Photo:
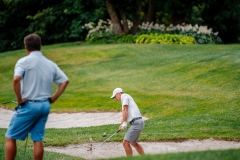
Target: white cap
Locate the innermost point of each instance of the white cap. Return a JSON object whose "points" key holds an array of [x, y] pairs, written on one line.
{"points": [[115, 91]]}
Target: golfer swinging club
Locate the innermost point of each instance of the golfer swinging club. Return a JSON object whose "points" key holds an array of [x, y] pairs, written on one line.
{"points": [[132, 115]]}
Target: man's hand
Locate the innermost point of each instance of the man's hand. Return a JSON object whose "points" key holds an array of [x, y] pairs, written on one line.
{"points": [[123, 126], [60, 90], [21, 102], [50, 100]]}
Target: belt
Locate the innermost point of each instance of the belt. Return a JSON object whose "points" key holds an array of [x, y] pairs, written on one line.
{"points": [[34, 101], [30, 101], [134, 119]]}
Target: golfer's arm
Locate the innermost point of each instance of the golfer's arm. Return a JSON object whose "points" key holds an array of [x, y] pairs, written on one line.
{"points": [[125, 113], [60, 90], [17, 88]]}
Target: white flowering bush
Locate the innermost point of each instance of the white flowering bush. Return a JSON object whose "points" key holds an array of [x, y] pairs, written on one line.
{"points": [[103, 32], [100, 31], [202, 34]]}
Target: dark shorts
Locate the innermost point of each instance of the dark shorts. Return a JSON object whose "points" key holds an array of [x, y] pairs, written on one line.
{"points": [[29, 118], [134, 131]]}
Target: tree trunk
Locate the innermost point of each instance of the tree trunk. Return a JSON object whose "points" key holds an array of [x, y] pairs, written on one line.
{"points": [[124, 20], [137, 19], [114, 18], [176, 21], [150, 17]]}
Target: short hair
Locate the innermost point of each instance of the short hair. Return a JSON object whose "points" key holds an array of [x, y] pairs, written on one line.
{"points": [[32, 42]]}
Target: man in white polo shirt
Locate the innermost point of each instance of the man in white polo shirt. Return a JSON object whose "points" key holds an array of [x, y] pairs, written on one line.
{"points": [[131, 115], [34, 75]]}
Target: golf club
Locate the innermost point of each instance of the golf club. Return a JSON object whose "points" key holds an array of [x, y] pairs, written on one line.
{"points": [[107, 138], [24, 154], [11, 101]]}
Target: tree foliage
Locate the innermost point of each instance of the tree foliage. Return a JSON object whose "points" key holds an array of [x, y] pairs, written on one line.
{"points": [[55, 21], [224, 16], [14, 23], [62, 21], [221, 15]]}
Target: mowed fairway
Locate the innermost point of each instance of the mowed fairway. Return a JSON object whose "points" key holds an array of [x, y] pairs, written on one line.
{"points": [[187, 91]]}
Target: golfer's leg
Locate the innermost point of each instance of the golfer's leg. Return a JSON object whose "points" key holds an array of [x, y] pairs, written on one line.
{"points": [[10, 149], [138, 147], [127, 148], [38, 150]]}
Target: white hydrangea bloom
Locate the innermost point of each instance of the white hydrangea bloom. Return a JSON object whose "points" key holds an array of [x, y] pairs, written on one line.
{"points": [[204, 30], [188, 27], [156, 26], [107, 27], [178, 27]]}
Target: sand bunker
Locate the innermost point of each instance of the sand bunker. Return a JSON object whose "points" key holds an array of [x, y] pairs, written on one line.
{"points": [[114, 149]]}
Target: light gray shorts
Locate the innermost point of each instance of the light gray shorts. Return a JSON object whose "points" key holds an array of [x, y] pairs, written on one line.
{"points": [[134, 131]]}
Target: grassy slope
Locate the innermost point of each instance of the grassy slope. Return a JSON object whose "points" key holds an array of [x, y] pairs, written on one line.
{"points": [[188, 91]]}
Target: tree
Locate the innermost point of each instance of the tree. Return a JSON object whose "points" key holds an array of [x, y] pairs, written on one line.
{"points": [[14, 23], [62, 21], [55, 21], [221, 15], [146, 11], [137, 17], [114, 17], [150, 13]]}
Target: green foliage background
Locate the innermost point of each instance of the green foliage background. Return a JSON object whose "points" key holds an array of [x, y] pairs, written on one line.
{"points": [[62, 21], [55, 21]]}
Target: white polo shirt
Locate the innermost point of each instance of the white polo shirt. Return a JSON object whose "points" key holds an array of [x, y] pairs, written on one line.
{"points": [[37, 76], [133, 110]]}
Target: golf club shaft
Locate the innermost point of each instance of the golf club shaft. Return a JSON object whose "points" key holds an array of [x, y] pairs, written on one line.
{"points": [[13, 101], [25, 147], [108, 138]]}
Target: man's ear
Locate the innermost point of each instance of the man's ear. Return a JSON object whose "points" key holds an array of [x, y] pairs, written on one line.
{"points": [[27, 50]]}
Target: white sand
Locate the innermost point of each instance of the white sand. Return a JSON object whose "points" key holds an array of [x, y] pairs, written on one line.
{"points": [[68, 120], [115, 149]]}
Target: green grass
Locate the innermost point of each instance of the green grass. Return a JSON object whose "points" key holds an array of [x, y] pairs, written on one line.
{"points": [[187, 91], [231, 154], [29, 154]]}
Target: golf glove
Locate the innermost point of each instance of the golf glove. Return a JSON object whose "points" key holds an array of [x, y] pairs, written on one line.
{"points": [[124, 125]]}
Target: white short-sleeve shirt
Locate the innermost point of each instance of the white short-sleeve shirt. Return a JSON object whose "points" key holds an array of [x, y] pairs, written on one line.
{"points": [[37, 76], [133, 110]]}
